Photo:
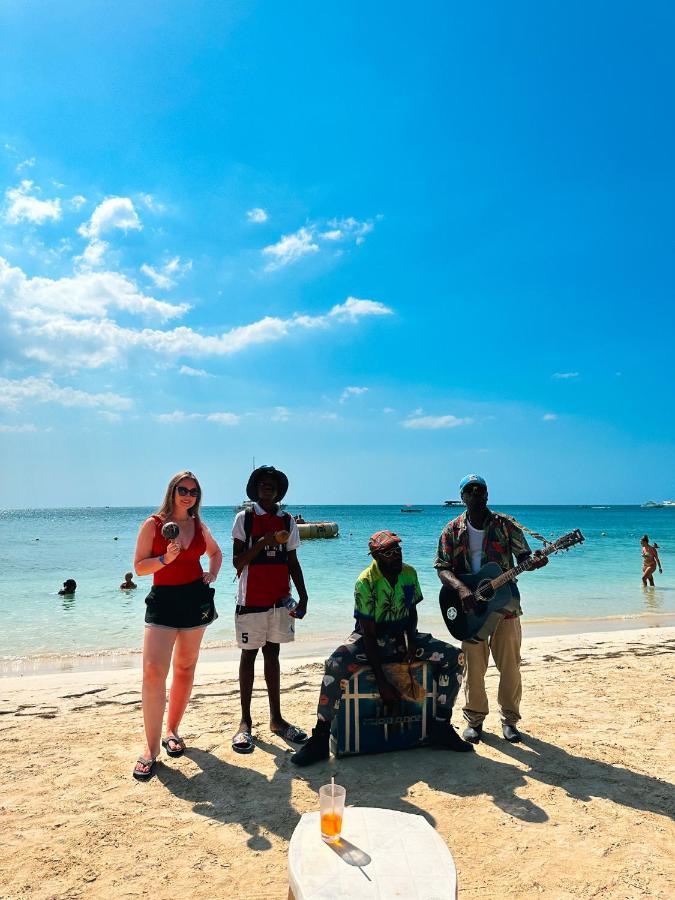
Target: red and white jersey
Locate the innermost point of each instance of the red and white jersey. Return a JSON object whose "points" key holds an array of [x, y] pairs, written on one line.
{"points": [[265, 580]]}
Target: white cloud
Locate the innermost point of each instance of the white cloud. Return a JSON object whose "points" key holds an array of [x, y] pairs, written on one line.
{"points": [[194, 373], [14, 394], [352, 392], [69, 322], [281, 414], [178, 417], [290, 248], [223, 418], [434, 422], [388, 410], [257, 215], [84, 294], [26, 164], [564, 375], [549, 417], [113, 213], [77, 202], [17, 429], [348, 229], [166, 276], [23, 206], [152, 203]]}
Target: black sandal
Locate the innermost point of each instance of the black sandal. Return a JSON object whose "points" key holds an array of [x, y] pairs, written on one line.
{"points": [[179, 751], [145, 776]]}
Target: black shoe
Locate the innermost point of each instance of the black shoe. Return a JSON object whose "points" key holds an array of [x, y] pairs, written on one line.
{"points": [[511, 733], [472, 733], [316, 748], [442, 734]]}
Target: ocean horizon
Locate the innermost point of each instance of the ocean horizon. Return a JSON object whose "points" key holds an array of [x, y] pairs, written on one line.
{"points": [[95, 545]]}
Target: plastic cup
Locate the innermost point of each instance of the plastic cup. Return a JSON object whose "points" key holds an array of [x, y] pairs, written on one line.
{"points": [[331, 809]]}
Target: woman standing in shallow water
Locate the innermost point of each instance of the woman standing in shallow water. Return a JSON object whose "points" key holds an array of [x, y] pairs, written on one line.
{"points": [[650, 560], [178, 609]]}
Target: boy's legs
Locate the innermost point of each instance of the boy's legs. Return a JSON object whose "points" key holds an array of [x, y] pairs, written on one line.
{"points": [[246, 676]]}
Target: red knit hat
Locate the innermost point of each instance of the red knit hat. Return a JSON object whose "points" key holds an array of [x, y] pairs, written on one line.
{"points": [[383, 539]]}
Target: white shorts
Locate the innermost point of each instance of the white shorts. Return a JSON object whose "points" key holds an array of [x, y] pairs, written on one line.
{"points": [[254, 630]]}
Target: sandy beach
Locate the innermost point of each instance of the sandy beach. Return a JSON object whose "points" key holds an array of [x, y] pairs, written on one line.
{"points": [[584, 807]]}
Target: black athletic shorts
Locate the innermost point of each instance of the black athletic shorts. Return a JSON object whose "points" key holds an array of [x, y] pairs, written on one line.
{"points": [[180, 605]]}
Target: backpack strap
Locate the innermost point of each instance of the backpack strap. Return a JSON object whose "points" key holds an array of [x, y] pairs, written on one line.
{"points": [[248, 526], [287, 521]]}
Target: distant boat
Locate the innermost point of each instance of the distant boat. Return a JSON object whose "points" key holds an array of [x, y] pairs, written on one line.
{"points": [[652, 504], [453, 503], [409, 508]]}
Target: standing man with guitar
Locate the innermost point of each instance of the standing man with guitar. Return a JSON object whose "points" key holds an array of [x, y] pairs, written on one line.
{"points": [[476, 537]]}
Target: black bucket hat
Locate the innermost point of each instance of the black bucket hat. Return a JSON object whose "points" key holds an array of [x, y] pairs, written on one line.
{"points": [[257, 474]]}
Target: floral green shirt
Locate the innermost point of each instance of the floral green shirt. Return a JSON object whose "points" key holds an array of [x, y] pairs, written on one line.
{"points": [[389, 607]]}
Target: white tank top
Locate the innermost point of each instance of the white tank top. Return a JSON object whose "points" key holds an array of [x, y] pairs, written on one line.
{"points": [[475, 546]]}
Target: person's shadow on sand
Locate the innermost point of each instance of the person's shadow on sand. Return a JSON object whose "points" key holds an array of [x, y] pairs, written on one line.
{"points": [[583, 778], [230, 794], [455, 774], [464, 775]]}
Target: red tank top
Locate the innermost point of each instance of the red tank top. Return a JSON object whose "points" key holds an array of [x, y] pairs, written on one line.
{"points": [[186, 567], [267, 579]]}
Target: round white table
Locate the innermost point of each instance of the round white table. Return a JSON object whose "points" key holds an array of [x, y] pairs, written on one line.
{"points": [[381, 854]]}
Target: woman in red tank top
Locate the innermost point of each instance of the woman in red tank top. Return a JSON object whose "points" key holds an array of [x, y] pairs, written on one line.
{"points": [[178, 609]]}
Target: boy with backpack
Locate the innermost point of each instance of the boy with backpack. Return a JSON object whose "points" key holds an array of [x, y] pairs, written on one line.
{"points": [[265, 542]]}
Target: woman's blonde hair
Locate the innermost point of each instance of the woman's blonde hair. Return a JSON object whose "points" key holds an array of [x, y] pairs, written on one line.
{"points": [[166, 509]]}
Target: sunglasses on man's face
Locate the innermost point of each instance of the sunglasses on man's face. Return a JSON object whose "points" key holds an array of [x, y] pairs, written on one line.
{"points": [[183, 491], [389, 552], [474, 489]]}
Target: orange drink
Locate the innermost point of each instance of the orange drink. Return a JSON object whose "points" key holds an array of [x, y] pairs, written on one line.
{"points": [[331, 807], [331, 824]]}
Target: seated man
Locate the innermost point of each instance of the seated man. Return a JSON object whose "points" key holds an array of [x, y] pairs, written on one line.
{"points": [[386, 598]]}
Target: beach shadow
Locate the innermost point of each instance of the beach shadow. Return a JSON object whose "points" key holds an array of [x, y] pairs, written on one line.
{"points": [[585, 779], [231, 794]]}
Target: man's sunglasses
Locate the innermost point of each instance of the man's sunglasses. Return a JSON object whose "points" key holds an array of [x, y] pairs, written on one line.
{"points": [[183, 491], [389, 552], [474, 489]]}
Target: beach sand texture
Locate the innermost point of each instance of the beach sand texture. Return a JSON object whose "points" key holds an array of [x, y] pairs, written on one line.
{"points": [[583, 808]]}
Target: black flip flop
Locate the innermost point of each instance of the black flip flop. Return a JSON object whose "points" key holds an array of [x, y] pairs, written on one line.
{"points": [[293, 734], [175, 740], [145, 776], [242, 742]]}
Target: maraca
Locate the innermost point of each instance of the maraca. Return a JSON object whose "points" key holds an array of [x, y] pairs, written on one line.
{"points": [[170, 531], [282, 536]]}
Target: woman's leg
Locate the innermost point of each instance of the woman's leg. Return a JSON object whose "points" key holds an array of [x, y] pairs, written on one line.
{"points": [[185, 655], [648, 572], [157, 646]]}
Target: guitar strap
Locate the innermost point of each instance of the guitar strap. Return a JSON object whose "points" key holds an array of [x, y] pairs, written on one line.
{"points": [[538, 537]]}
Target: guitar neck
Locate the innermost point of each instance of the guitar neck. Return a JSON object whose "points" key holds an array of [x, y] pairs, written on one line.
{"points": [[520, 568]]}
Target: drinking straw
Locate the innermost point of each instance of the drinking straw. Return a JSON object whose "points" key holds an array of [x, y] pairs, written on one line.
{"points": [[332, 795]]}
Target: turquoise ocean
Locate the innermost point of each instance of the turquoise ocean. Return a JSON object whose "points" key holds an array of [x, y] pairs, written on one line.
{"points": [[43, 547]]}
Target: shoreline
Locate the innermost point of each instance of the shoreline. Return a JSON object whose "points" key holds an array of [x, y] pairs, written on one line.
{"points": [[312, 647]]}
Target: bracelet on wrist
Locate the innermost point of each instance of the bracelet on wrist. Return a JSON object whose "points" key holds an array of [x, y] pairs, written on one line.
{"points": [[161, 559]]}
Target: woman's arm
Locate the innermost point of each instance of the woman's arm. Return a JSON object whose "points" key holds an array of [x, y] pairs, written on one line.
{"points": [[214, 554], [144, 563]]}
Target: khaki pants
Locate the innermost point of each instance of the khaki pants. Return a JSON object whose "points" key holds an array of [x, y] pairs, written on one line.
{"points": [[504, 644]]}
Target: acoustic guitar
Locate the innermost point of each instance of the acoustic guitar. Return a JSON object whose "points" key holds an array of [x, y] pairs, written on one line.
{"points": [[478, 623]]}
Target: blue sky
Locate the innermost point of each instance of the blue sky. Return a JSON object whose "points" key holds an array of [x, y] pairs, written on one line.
{"points": [[376, 245]]}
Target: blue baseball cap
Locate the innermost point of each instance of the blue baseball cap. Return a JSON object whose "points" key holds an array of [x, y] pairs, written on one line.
{"points": [[471, 479]]}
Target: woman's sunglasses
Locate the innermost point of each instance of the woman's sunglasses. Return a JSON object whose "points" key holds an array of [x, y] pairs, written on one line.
{"points": [[183, 491]]}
